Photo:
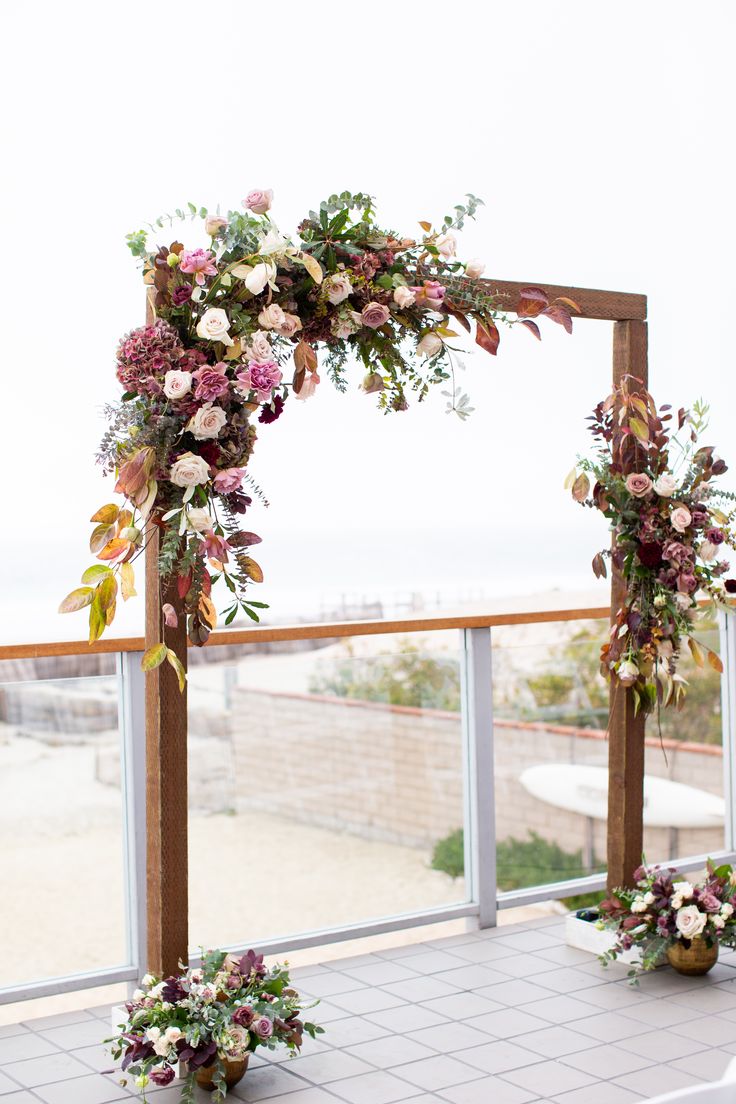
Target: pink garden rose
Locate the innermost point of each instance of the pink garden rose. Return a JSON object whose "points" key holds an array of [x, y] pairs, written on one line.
{"points": [[259, 346], [680, 518], [261, 377], [308, 387], [290, 325], [375, 315], [198, 263], [177, 384], [259, 200], [676, 552], [687, 582], [212, 382], [430, 295], [228, 480], [216, 547], [207, 422], [638, 484], [271, 317]]}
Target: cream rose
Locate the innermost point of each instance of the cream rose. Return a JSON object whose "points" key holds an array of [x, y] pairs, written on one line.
{"points": [[174, 1034], [213, 224], [627, 672], [214, 325], [199, 520], [337, 288], [665, 485], [259, 347], [474, 269], [430, 345], [680, 518], [690, 921], [290, 325], [708, 551], [177, 384], [207, 422], [446, 244], [188, 471], [404, 296], [271, 317], [259, 276]]}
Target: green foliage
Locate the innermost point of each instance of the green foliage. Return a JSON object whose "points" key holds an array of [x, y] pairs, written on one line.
{"points": [[521, 863], [410, 677]]}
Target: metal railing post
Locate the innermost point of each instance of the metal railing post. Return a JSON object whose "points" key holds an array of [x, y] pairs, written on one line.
{"points": [[480, 813], [132, 725], [727, 625]]}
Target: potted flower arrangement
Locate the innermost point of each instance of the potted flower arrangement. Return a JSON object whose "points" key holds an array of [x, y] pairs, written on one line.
{"points": [[208, 1022], [665, 916]]}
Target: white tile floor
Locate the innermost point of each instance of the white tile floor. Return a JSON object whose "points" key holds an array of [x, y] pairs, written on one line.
{"points": [[507, 1016]]}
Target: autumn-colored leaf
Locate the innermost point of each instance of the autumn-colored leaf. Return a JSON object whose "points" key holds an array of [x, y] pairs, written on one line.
{"points": [[77, 599], [113, 549], [101, 534], [97, 622], [559, 314], [127, 581], [487, 335], [458, 315], [96, 572], [570, 479], [107, 514], [125, 519], [171, 617], [639, 429], [107, 592], [426, 226], [581, 488], [183, 584], [532, 301], [532, 327], [312, 266], [252, 569], [110, 613], [570, 303], [599, 567], [208, 611], [153, 657], [173, 659], [697, 652], [305, 358], [715, 662], [243, 539]]}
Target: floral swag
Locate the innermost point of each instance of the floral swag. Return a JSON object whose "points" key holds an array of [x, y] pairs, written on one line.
{"points": [[229, 322]]}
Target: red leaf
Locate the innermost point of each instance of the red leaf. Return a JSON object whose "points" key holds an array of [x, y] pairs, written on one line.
{"points": [[183, 583], [532, 301], [532, 327], [559, 314], [487, 335]]}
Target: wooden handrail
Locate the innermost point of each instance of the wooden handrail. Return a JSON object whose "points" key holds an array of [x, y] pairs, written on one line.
{"points": [[320, 630]]}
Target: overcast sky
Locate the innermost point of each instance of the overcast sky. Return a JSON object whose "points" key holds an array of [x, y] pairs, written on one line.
{"points": [[599, 136]]}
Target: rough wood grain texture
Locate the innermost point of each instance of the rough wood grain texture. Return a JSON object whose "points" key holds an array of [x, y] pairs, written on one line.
{"points": [[625, 731], [318, 631], [612, 306], [166, 781]]}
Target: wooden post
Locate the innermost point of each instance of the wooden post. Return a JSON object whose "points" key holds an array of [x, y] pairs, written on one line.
{"points": [[166, 776], [625, 731]]}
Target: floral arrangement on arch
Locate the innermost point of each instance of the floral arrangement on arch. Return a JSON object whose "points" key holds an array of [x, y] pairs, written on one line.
{"points": [[656, 485], [662, 910], [226, 1009], [236, 330]]}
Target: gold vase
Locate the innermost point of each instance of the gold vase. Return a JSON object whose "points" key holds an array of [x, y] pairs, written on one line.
{"points": [[692, 957], [234, 1071]]}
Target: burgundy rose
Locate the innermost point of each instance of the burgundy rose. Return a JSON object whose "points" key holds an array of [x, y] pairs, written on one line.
{"points": [[181, 294], [162, 1076], [730, 585], [243, 1016], [715, 536], [650, 554]]}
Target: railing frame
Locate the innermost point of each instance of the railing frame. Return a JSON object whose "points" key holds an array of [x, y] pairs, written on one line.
{"points": [[482, 899]]}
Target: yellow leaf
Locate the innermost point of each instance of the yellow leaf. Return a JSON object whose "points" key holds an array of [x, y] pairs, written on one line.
{"points": [[101, 534], [125, 519], [313, 267], [108, 514], [176, 663], [697, 652], [77, 600], [153, 657], [107, 592], [426, 226], [252, 569], [444, 332], [715, 662], [639, 429], [110, 614], [570, 479], [97, 622], [208, 611], [127, 581], [568, 303]]}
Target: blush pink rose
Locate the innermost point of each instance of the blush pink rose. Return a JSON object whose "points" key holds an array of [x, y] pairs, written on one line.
{"points": [[375, 315], [228, 480], [290, 325], [680, 518], [259, 200], [211, 381], [430, 295], [261, 377], [262, 1027], [638, 484]]}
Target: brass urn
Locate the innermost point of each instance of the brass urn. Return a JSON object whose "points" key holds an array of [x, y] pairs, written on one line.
{"points": [[234, 1071], [692, 957]]}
